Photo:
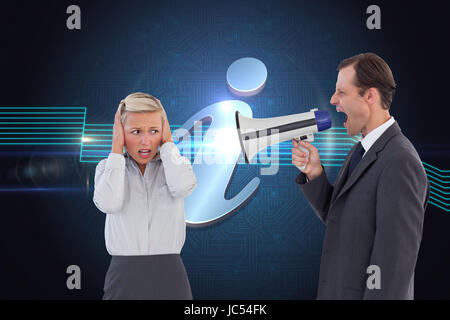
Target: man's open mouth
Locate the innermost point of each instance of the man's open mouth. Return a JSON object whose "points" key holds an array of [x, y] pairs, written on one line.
{"points": [[341, 111]]}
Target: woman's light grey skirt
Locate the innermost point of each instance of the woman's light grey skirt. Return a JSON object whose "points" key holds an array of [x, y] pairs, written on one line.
{"points": [[154, 277]]}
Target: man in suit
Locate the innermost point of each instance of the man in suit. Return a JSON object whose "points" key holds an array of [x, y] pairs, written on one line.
{"points": [[374, 212]]}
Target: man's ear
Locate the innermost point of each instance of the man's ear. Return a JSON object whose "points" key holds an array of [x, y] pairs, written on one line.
{"points": [[372, 96]]}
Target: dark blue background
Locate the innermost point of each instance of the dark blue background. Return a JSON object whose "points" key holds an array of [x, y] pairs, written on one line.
{"points": [[179, 51]]}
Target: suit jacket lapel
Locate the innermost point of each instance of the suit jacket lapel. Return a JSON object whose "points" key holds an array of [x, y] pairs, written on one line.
{"points": [[365, 162], [342, 174]]}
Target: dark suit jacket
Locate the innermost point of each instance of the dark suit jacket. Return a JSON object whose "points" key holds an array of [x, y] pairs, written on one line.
{"points": [[373, 218]]}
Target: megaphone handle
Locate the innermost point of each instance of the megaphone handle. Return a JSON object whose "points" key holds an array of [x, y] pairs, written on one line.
{"points": [[307, 155]]}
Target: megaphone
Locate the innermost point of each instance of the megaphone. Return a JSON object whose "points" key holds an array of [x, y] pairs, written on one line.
{"points": [[254, 133]]}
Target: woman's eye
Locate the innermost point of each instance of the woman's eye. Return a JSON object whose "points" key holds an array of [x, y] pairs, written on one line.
{"points": [[133, 132], [154, 131]]}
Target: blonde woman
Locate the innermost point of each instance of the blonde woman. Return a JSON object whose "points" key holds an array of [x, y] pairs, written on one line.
{"points": [[142, 193]]}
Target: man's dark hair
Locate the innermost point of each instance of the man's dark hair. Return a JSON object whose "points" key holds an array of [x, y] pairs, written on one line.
{"points": [[372, 72]]}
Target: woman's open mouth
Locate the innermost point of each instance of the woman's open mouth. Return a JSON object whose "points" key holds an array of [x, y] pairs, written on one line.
{"points": [[144, 153]]}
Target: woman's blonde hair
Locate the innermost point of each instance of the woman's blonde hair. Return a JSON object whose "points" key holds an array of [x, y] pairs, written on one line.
{"points": [[140, 102]]}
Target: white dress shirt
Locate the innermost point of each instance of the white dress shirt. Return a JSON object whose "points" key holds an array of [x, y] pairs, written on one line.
{"points": [[370, 138], [144, 213]]}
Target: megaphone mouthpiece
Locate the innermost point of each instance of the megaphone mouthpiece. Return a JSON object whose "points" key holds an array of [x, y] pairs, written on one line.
{"points": [[323, 120]]}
